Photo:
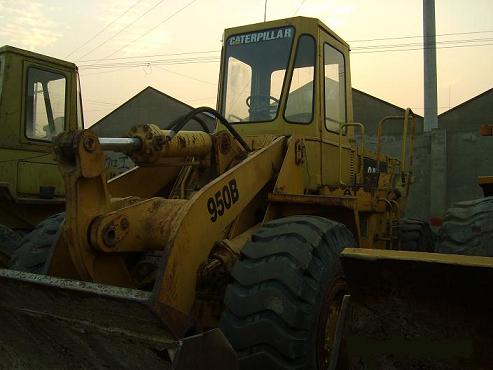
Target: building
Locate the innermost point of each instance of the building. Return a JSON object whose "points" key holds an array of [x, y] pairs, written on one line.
{"points": [[468, 155], [148, 106]]}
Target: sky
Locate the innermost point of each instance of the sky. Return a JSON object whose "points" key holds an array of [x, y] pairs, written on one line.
{"points": [[123, 46]]}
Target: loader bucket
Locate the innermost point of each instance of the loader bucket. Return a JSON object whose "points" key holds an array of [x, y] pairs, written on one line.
{"points": [[411, 310], [53, 323]]}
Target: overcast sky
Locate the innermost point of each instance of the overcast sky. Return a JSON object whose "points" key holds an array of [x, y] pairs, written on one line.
{"points": [[186, 37]]}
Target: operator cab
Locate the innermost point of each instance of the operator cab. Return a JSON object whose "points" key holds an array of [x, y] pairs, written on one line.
{"points": [[45, 93], [291, 77], [270, 74], [39, 99]]}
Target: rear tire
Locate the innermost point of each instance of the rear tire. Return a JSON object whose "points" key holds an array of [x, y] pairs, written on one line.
{"points": [[416, 236], [9, 242], [34, 248], [468, 228], [286, 294]]}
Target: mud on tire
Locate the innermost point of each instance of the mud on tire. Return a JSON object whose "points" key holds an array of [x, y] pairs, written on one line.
{"points": [[276, 306], [9, 242], [468, 228], [34, 248]]}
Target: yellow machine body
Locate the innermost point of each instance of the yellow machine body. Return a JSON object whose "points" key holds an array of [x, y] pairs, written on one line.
{"points": [[166, 234]]}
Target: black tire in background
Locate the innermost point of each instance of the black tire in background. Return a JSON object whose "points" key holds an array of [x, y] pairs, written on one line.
{"points": [[468, 228], [282, 307], [34, 248], [416, 236], [9, 242]]}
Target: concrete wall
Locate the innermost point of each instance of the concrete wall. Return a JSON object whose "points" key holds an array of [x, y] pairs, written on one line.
{"points": [[469, 156]]}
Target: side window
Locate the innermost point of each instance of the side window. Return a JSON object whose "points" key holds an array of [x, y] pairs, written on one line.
{"points": [[45, 104], [335, 88], [299, 107]]}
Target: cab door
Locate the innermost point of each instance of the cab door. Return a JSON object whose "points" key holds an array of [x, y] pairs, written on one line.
{"points": [[336, 110], [302, 111]]}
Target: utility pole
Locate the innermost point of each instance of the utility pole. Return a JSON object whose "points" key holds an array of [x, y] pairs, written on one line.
{"points": [[430, 65], [438, 137], [265, 11]]}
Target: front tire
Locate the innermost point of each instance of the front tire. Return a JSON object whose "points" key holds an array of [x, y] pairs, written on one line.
{"points": [[283, 304], [9, 242], [34, 248]]}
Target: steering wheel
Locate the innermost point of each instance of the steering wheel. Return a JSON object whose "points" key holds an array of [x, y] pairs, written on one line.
{"points": [[263, 108], [248, 100]]}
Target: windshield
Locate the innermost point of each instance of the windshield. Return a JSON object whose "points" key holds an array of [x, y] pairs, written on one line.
{"points": [[255, 66]]}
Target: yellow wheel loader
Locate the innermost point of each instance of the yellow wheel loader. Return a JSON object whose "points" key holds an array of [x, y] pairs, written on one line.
{"points": [[39, 98], [222, 250]]}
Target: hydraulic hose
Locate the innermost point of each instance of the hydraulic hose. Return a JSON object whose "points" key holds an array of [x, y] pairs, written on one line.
{"points": [[180, 123]]}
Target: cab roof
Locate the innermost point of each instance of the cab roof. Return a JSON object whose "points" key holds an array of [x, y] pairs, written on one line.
{"points": [[297, 22], [29, 54]]}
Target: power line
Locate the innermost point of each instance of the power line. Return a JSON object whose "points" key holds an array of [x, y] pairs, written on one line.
{"points": [[200, 99], [139, 63], [99, 102], [131, 62], [124, 28], [299, 7], [106, 72], [104, 28], [420, 36], [421, 48], [186, 76], [355, 48], [190, 59], [420, 44], [151, 56], [152, 29], [115, 67]]}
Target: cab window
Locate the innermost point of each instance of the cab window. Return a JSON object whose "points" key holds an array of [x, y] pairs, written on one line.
{"points": [[335, 88], [299, 108], [45, 104]]}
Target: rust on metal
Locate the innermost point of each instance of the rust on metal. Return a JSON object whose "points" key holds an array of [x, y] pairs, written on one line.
{"points": [[325, 200], [486, 130], [157, 143], [143, 225], [300, 152], [486, 183]]}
